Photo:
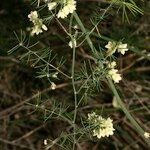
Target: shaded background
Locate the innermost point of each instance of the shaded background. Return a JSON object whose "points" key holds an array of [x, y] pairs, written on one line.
{"points": [[22, 126]]}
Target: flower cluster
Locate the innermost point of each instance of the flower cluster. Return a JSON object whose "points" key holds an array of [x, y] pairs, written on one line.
{"points": [[113, 73], [67, 7], [102, 127], [113, 46], [38, 23]]}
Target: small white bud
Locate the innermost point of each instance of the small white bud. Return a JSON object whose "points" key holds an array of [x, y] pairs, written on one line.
{"points": [[72, 43], [147, 135], [45, 142], [53, 86]]}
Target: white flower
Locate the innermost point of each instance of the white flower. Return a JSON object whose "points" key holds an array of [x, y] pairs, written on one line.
{"points": [[110, 45], [112, 64], [51, 5], [62, 14], [69, 7], [147, 135], [53, 86], [38, 23], [114, 75], [72, 43], [103, 127], [92, 116], [33, 16], [113, 46], [35, 30], [122, 48]]}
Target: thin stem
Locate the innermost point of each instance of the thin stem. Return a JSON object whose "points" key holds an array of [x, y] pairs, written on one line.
{"points": [[84, 31], [75, 93]]}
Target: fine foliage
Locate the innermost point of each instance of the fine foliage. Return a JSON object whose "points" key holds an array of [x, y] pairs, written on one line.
{"points": [[77, 61]]}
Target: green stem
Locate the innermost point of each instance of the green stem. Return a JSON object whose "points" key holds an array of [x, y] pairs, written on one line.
{"points": [[84, 31], [75, 92], [128, 115]]}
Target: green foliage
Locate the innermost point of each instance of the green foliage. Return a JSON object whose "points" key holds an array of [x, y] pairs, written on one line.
{"points": [[76, 77]]}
